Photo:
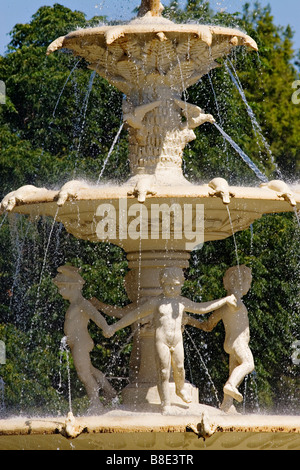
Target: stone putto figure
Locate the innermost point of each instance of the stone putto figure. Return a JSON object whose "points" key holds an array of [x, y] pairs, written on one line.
{"points": [[78, 315], [237, 282], [168, 311]]}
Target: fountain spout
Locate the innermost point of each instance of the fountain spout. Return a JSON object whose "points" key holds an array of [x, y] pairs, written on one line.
{"points": [[282, 190], [150, 8], [221, 189]]}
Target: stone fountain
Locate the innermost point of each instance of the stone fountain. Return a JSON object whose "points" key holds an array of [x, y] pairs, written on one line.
{"points": [[158, 218]]}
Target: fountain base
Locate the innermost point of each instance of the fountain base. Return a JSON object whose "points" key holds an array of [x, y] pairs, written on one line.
{"points": [[124, 429], [142, 393]]}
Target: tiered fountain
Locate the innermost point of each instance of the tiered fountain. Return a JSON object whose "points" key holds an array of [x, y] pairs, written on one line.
{"points": [[158, 218]]}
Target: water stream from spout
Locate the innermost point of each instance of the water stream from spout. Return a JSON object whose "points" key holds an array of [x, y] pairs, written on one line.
{"points": [[64, 350], [217, 106], [256, 127], [18, 238], [64, 86], [245, 157], [235, 245], [3, 219], [251, 241], [84, 112], [204, 365], [138, 334], [2, 396], [297, 216], [110, 152], [44, 263], [233, 235], [184, 92]]}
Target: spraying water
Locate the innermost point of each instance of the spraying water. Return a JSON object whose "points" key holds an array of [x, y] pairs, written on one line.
{"points": [[63, 88], [217, 105], [3, 219], [205, 367], [110, 152], [18, 240], [245, 157], [84, 111], [2, 391], [44, 261], [64, 350], [297, 216], [233, 234], [256, 127]]}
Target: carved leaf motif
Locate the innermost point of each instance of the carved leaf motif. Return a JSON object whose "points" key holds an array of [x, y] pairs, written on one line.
{"points": [[130, 71]]}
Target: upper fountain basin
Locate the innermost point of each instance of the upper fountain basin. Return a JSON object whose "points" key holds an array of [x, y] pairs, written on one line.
{"points": [[152, 46]]}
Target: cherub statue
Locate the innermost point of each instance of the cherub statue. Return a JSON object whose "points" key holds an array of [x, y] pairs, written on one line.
{"points": [[237, 282], [168, 310], [78, 315]]}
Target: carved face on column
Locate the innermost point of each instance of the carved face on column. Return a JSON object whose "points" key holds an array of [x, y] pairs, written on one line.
{"points": [[171, 280]]}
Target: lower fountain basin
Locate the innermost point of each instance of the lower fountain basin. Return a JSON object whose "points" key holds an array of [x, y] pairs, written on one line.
{"points": [[191, 214], [127, 430]]}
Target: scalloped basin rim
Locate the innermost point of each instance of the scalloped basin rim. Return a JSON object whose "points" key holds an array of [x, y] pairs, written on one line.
{"points": [[99, 193], [205, 32], [80, 215]]}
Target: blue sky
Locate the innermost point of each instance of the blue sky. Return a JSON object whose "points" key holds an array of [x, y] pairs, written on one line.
{"points": [[20, 11]]}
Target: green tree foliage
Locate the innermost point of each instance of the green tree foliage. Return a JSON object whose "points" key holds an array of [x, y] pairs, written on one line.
{"points": [[58, 123]]}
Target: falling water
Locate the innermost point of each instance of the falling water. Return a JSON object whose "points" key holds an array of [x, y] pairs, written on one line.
{"points": [[116, 356], [138, 351], [256, 127], [3, 219], [235, 245], [2, 396], [253, 379], [84, 111], [63, 88], [245, 394], [205, 366], [65, 349], [233, 234], [18, 241], [110, 152], [245, 157], [217, 105], [44, 262], [297, 216], [251, 240], [183, 88]]}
